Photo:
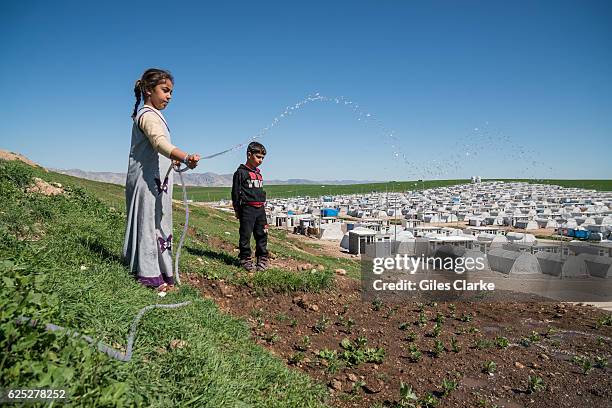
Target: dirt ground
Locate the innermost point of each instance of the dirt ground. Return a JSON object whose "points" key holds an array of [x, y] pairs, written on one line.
{"points": [[6, 155], [296, 327], [321, 246], [564, 345]]}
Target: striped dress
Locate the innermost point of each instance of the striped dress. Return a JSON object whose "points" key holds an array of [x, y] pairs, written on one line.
{"points": [[148, 194]]}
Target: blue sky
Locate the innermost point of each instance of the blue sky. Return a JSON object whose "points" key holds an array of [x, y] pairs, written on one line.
{"points": [[497, 89]]}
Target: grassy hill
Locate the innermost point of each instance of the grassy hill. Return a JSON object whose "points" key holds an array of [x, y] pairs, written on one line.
{"points": [[60, 263]]}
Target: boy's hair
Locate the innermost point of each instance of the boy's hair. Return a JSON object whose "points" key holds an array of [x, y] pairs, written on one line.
{"points": [[256, 148], [149, 80]]}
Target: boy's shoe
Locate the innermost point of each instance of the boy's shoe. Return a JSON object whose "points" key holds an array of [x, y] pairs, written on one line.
{"points": [[247, 263], [262, 263]]}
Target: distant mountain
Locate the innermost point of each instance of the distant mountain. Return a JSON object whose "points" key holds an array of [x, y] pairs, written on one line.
{"points": [[195, 179], [107, 177]]}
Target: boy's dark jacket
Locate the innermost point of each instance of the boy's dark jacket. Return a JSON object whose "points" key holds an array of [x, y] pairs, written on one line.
{"points": [[247, 188]]}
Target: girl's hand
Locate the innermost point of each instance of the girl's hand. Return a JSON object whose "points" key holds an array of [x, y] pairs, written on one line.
{"points": [[192, 160]]}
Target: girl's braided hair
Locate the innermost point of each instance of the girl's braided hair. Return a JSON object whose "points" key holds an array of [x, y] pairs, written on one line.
{"points": [[151, 78]]}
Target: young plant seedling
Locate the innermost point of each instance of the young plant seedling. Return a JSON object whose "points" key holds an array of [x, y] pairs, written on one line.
{"points": [[481, 344], [404, 326], [438, 348], [428, 401], [331, 357], [321, 325], [391, 312], [586, 365], [455, 348], [327, 354], [436, 330], [489, 367], [357, 353], [346, 323], [281, 317], [439, 318], [534, 337], [601, 362], [271, 338], [304, 344], [357, 386], [534, 384], [502, 342], [551, 331], [410, 336], [374, 355], [422, 319], [345, 308], [408, 397], [452, 309], [377, 304], [448, 386], [296, 358], [604, 321], [414, 354]]}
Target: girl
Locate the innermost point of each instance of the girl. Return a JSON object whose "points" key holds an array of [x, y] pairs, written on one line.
{"points": [[148, 189]]}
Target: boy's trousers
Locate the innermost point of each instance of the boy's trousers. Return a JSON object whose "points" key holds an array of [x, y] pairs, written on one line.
{"points": [[252, 221]]}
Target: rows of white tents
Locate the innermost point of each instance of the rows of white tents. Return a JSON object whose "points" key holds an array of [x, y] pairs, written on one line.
{"points": [[413, 223]]}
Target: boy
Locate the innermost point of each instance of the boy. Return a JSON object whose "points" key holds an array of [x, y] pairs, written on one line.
{"points": [[249, 200]]}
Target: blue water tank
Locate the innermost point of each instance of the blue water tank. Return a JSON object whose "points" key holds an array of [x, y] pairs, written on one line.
{"points": [[329, 212], [582, 234]]}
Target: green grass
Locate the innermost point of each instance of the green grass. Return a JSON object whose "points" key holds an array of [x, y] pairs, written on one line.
{"points": [[316, 190], [216, 226], [600, 185], [59, 262], [110, 194]]}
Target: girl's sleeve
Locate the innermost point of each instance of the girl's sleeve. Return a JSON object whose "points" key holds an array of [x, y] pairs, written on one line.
{"points": [[154, 130]]}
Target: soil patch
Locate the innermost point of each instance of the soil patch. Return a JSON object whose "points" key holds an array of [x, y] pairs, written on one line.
{"points": [[6, 155], [308, 331]]}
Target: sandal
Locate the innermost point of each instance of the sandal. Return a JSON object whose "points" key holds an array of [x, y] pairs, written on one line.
{"points": [[164, 287]]}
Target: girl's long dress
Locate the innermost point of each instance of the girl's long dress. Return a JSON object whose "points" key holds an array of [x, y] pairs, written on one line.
{"points": [[148, 194]]}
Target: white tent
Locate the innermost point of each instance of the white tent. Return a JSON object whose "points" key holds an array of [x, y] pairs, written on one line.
{"points": [[332, 231], [344, 243], [551, 224], [520, 237], [526, 264]]}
